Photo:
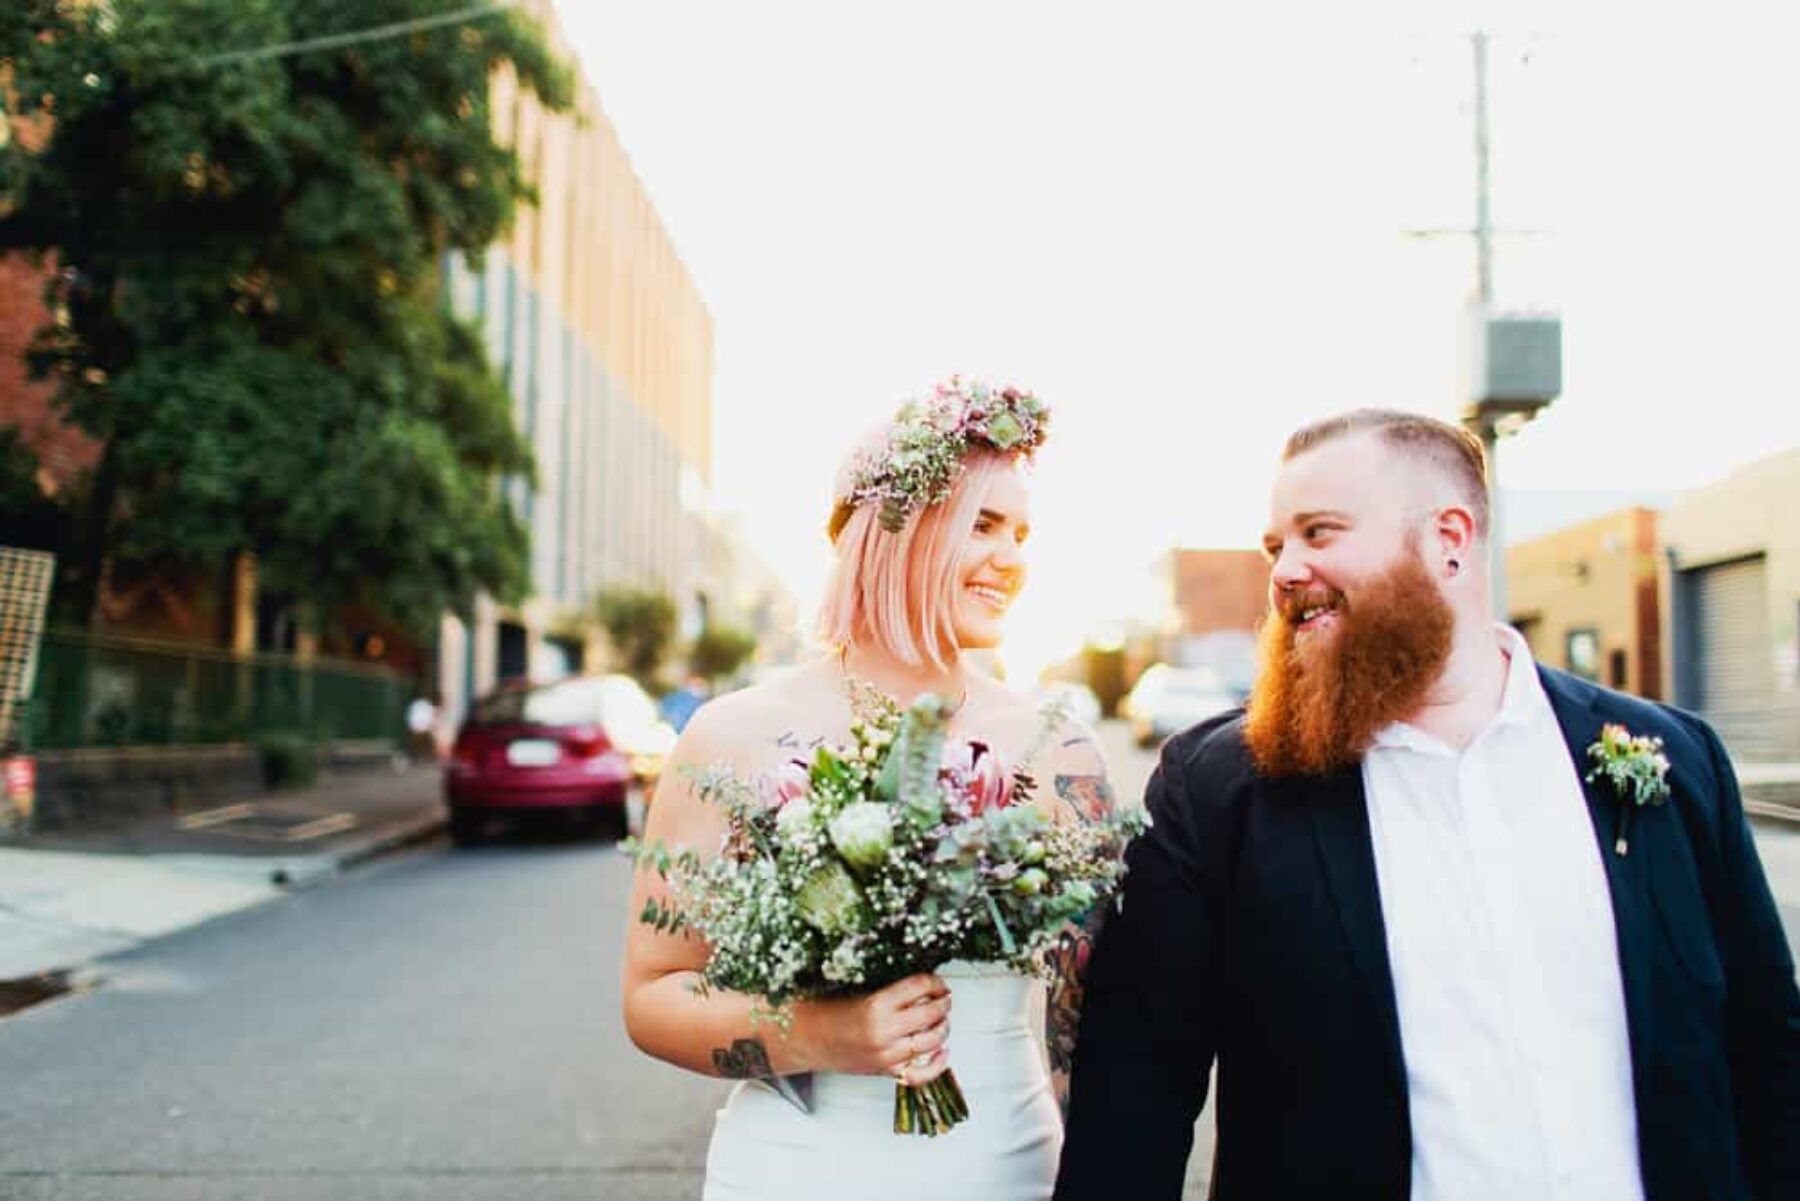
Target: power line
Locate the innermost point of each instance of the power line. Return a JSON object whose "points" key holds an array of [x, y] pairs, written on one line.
{"points": [[355, 37]]}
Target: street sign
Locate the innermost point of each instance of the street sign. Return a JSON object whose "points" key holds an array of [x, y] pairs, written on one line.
{"points": [[19, 776], [25, 577]]}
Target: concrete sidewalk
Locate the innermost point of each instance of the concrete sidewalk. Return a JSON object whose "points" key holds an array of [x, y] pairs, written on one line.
{"points": [[72, 897]]}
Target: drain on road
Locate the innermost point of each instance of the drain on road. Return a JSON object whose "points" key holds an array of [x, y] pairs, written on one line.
{"points": [[269, 822]]}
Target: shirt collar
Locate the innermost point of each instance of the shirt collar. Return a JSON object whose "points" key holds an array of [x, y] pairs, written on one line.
{"points": [[1522, 699]]}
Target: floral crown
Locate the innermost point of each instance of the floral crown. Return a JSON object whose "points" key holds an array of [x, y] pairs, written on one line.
{"points": [[919, 460]]}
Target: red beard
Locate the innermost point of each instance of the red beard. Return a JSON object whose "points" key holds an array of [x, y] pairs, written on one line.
{"points": [[1321, 698]]}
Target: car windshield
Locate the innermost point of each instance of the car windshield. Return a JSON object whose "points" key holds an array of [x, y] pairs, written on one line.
{"points": [[613, 701]]}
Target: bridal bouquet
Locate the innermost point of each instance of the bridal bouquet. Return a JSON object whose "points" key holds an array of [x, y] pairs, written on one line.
{"points": [[889, 856]]}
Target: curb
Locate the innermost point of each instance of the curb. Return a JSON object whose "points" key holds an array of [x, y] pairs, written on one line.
{"points": [[303, 872], [295, 875], [394, 835]]}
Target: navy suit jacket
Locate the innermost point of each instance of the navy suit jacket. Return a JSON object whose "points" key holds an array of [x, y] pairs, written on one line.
{"points": [[1251, 934]]}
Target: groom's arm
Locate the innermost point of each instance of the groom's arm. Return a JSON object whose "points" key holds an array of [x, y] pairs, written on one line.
{"points": [[1763, 1004], [1147, 1037]]}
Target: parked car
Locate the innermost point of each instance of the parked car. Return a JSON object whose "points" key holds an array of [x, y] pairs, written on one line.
{"points": [[1078, 700], [585, 746], [1166, 700]]}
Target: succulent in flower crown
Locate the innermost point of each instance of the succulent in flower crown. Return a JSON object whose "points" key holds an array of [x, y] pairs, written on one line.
{"points": [[921, 457]]}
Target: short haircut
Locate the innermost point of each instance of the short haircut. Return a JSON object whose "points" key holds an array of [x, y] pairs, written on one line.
{"points": [[1451, 450], [897, 588]]}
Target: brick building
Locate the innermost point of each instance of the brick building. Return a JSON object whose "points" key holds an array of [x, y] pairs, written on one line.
{"points": [[1220, 597], [1586, 600]]}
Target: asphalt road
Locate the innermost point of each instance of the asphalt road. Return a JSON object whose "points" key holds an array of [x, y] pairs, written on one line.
{"points": [[444, 1025], [440, 1025]]}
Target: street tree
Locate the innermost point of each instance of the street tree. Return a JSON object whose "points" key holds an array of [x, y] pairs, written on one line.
{"points": [[28, 517], [720, 650], [247, 205], [640, 624]]}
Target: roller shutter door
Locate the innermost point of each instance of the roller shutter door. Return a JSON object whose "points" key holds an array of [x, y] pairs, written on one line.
{"points": [[1732, 645]]}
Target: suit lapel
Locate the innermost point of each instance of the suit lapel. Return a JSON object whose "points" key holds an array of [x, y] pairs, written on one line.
{"points": [[1338, 807], [1578, 712]]}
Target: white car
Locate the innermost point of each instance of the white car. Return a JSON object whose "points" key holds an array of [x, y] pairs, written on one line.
{"points": [[1167, 700]]}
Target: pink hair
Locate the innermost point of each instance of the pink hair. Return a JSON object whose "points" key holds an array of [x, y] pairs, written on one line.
{"points": [[896, 589]]}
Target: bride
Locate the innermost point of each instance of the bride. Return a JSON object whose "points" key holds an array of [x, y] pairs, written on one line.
{"points": [[929, 529]]}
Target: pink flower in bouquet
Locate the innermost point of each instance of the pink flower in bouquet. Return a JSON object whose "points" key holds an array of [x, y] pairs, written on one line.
{"points": [[789, 782], [979, 770]]}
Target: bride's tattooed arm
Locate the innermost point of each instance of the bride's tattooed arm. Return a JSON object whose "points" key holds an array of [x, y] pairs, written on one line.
{"points": [[748, 1059], [1090, 797]]}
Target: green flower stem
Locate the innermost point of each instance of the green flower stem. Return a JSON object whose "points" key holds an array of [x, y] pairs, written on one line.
{"points": [[960, 1102], [929, 1109]]}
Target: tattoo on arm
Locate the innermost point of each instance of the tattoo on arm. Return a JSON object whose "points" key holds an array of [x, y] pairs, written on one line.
{"points": [[745, 1059], [748, 1059], [1078, 740], [1062, 1010], [787, 741], [1090, 796]]}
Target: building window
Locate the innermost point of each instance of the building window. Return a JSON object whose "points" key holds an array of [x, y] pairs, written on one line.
{"points": [[1583, 653], [1615, 669]]}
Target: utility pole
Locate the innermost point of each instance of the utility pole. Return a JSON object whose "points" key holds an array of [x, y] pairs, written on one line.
{"points": [[1484, 225], [1516, 366], [1486, 429]]}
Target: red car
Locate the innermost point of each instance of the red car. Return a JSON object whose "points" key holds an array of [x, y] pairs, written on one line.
{"points": [[582, 746]]}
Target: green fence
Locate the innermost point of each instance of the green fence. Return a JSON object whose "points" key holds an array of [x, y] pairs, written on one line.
{"points": [[94, 690]]}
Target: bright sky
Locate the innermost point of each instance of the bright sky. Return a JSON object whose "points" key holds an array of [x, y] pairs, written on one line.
{"points": [[1185, 229]]}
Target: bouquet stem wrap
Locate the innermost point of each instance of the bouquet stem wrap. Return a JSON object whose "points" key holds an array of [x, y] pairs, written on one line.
{"points": [[929, 1109]]}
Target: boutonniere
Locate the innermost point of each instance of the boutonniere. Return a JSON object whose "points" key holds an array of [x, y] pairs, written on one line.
{"points": [[1635, 767]]}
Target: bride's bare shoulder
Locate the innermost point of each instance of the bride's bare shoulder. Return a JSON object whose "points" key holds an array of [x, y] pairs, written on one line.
{"points": [[1012, 714], [753, 725]]}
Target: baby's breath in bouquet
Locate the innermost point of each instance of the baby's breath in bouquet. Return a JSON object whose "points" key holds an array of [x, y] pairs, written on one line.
{"points": [[889, 856]]}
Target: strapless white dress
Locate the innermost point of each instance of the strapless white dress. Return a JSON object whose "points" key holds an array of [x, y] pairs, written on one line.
{"points": [[765, 1149]]}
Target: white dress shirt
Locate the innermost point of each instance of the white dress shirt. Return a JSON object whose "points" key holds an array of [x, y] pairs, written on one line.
{"points": [[1505, 964]]}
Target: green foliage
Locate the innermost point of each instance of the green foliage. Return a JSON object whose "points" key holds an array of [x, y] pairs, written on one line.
{"points": [[720, 651], [28, 518], [919, 746], [248, 262], [289, 760], [640, 624]]}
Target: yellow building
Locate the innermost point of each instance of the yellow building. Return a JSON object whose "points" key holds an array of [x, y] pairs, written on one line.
{"points": [[1731, 579], [607, 349], [1586, 600]]}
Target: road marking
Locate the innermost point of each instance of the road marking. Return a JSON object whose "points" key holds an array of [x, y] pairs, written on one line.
{"points": [[250, 820], [215, 817]]}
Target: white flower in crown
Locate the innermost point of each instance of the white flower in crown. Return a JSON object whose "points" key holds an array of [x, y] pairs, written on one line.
{"points": [[922, 456]]}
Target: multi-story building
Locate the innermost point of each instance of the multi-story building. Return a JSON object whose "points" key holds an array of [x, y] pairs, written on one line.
{"points": [[607, 349]]}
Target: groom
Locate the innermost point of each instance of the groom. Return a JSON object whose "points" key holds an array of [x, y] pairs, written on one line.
{"points": [[1431, 959]]}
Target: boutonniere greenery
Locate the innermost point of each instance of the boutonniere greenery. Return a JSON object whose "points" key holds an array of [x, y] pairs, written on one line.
{"points": [[1636, 768]]}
